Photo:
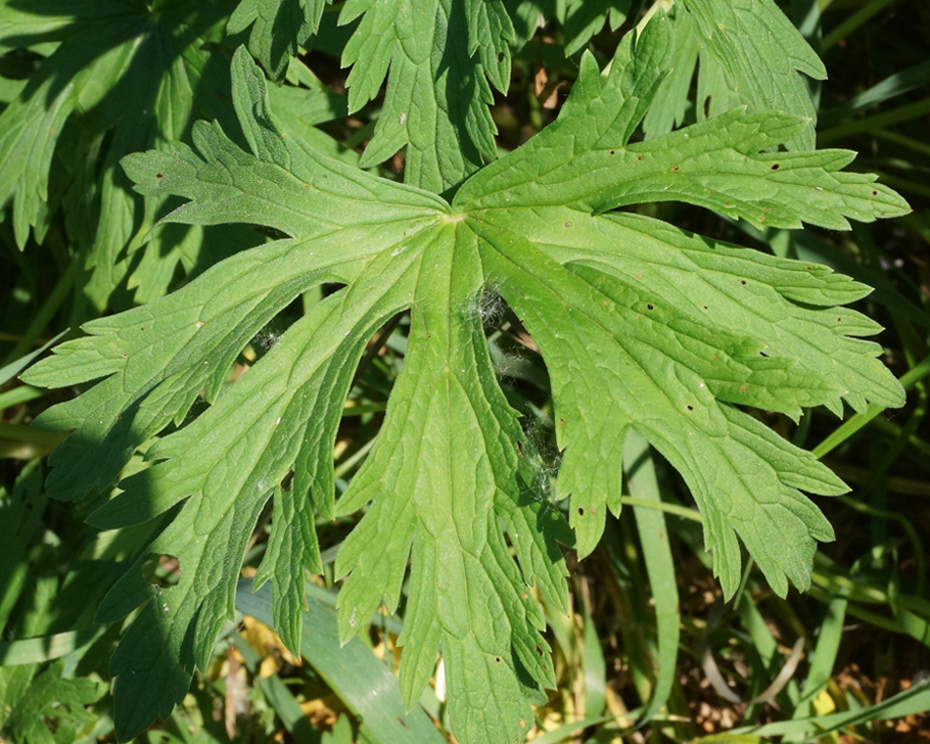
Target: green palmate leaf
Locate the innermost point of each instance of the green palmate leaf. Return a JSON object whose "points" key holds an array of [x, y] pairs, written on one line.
{"points": [[670, 105], [527, 16], [580, 19], [51, 701], [123, 77], [30, 125], [156, 110], [584, 18], [750, 53], [278, 27], [444, 56], [643, 327], [761, 53]]}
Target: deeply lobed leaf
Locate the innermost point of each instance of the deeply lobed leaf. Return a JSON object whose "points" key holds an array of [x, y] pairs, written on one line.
{"points": [[444, 473], [642, 326], [276, 29], [750, 54], [118, 77], [443, 58]]}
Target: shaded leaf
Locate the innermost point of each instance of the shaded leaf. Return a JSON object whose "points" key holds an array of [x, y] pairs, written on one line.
{"points": [[277, 29], [761, 54]]}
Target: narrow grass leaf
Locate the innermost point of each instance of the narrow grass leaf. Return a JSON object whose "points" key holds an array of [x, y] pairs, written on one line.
{"points": [[353, 672], [653, 538], [823, 660], [914, 700]]}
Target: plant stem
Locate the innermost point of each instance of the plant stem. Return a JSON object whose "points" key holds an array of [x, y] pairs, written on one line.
{"points": [[854, 424], [679, 511]]}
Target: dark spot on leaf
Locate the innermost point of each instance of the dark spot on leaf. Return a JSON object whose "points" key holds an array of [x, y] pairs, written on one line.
{"points": [[839, 320], [689, 407], [874, 192], [704, 306], [613, 152], [649, 306], [500, 56], [159, 176], [641, 157], [580, 511], [401, 721], [497, 659], [141, 329], [539, 650], [742, 281], [675, 168], [561, 422], [775, 166]]}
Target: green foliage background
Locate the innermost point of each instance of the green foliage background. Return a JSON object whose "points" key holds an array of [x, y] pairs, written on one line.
{"points": [[86, 84]]}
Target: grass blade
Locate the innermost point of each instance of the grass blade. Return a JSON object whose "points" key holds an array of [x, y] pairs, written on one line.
{"points": [[363, 682], [650, 522]]}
